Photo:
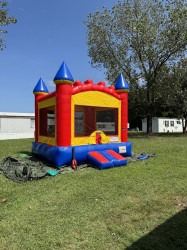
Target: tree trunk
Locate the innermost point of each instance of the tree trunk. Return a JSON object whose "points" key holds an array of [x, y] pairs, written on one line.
{"points": [[149, 124], [184, 125], [149, 118]]}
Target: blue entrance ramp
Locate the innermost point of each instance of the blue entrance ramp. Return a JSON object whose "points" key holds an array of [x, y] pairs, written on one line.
{"points": [[106, 159]]}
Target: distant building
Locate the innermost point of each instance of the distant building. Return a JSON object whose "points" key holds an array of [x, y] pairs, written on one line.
{"points": [[16, 125], [163, 125]]}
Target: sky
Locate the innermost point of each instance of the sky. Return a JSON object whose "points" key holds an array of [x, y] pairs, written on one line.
{"points": [[46, 34]]}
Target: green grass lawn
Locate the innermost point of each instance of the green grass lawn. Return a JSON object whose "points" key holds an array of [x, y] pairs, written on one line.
{"points": [[140, 206]]}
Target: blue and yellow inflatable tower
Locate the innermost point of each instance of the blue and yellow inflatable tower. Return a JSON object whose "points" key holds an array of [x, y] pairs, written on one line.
{"points": [[81, 122]]}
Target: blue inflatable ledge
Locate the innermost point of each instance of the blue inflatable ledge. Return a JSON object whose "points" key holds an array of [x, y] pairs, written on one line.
{"points": [[61, 156]]}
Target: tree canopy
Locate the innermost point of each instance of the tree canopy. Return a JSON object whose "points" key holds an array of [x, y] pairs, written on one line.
{"points": [[138, 38], [177, 99], [4, 21]]}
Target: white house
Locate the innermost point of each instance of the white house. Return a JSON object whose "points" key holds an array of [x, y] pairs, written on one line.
{"points": [[16, 125], [163, 125]]}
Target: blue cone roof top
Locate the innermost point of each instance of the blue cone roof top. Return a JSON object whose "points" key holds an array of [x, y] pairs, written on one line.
{"points": [[122, 84], [40, 87], [63, 74]]}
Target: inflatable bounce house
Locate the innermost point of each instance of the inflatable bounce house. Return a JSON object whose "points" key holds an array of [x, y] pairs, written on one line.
{"points": [[81, 122]]}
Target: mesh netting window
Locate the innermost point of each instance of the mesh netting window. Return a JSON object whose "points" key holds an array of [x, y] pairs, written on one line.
{"points": [[106, 121], [47, 121], [89, 119], [79, 122]]}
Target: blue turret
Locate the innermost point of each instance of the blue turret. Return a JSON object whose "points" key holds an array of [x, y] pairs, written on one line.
{"points": [[121, 84], [63, 75], [40, 88]]}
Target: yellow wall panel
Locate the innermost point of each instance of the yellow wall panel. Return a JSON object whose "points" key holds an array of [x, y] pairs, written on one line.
{"points": [[47, 140], [47, 103], [95, 98]]}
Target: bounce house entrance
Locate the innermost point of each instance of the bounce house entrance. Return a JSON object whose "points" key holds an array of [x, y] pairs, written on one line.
{"points": [[98, 137], [95, 125]]}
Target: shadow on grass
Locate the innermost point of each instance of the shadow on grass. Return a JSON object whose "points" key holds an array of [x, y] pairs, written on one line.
{"points": [[168, 236]]}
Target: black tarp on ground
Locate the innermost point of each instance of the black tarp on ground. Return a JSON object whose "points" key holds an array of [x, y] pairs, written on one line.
{"points": [[28, 168]]}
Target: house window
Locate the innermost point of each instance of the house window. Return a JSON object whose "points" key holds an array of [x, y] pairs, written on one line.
{"points": [[172, 123], [166, 123], [178, 122]]}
